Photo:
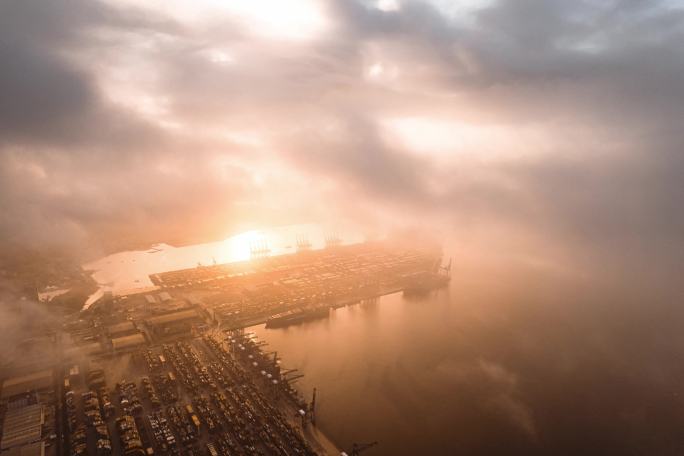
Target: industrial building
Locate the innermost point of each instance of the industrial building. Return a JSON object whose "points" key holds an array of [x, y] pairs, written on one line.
{"points": [[32, 449], [171, 318], [175, 323], [128, 342], [35, 381], [22, 426], [120, 329]]}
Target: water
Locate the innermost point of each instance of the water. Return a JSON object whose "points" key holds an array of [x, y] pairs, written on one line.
{"points": [[509, 360], [497, 364]]}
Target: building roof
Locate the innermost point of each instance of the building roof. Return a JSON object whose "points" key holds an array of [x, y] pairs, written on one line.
{"points": [[123, 327], [22, 384], [82, 350], [19, 417], [22, 425], [32, 449], [172, 317], [128, 341], [20, 437]]}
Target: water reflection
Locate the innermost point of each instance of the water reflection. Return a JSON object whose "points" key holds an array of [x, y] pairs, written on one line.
{"points": [[538, 367]]}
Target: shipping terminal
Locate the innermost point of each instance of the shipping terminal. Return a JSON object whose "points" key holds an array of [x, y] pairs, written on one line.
{"points": [[174, 370]]}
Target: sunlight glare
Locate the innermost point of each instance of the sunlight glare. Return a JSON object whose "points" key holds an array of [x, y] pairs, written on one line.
{"points": [[239, 247], [450, 139], [282, 19]]}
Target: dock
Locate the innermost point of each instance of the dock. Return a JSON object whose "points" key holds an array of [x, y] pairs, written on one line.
{"points": [[243, 294]]}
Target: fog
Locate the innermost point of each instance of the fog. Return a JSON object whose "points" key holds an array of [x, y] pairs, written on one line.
{"points": [[548, 128], [539, 140]]}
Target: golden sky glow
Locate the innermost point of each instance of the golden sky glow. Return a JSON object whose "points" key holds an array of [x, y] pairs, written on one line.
{"points": [[509, 122]]}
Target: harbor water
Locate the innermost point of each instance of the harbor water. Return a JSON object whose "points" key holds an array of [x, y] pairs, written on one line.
{"points": [[537, 365]]}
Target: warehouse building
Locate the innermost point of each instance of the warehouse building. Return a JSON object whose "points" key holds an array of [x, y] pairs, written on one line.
{"points": [[172, 318], [127, 343], [36, 381], [22, 426], [32, 449], [121, 329], [173, 323]]}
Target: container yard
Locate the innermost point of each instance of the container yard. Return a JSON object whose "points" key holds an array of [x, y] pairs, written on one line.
{"points": [[215, 394], [173, 372], [241, 294]]}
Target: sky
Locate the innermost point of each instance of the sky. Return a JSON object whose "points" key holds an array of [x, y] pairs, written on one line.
{"points": [[547, 131]]}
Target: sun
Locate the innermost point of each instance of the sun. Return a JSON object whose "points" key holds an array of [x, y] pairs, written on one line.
{"points": [[240, 246], [281, 19]]}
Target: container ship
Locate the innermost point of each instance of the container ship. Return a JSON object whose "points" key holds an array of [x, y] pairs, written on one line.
{"points": [[424, 283], [292, 317]]}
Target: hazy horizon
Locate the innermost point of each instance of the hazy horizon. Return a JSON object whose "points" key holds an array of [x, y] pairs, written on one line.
{"points": [[547, 130]]}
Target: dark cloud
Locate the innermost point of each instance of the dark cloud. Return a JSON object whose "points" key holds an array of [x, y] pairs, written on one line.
{"points": [[354, 149], [46, 96], [40, 94], [599, 76], [77, 169]]}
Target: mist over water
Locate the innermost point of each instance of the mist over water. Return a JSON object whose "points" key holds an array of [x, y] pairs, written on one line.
{"points": [[542, 366]]}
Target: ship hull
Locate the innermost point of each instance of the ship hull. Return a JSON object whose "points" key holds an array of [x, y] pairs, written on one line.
{"points": [[424, 287], [279, 321]]}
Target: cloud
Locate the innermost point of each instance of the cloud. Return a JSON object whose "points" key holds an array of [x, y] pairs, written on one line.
{"points": [[23, 328], [121, 119]]}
